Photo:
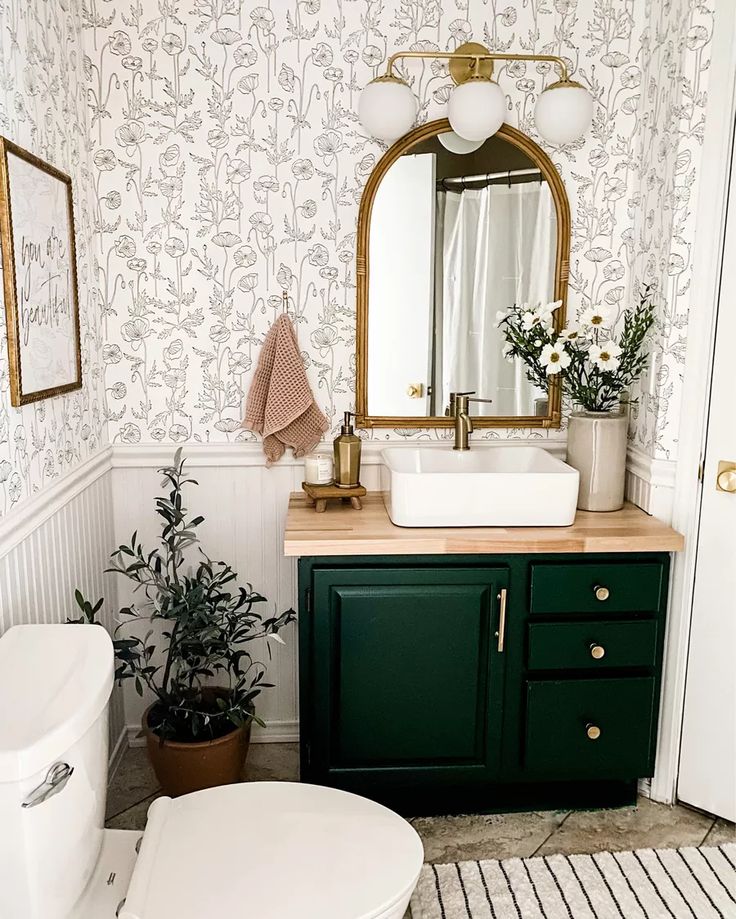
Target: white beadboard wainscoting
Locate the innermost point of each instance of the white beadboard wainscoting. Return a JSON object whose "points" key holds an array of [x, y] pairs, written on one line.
{"points": [[61, 539], [244, 505], [58, 541]]}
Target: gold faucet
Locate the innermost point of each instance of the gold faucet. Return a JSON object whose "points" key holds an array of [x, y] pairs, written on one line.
{"points": [[463, 424]]}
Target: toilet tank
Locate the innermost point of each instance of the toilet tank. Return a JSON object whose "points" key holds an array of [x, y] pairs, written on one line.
{"points": [[55, 683]]}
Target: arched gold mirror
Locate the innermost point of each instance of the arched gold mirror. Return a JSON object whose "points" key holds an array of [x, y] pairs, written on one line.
{"points": [[446, 240]]}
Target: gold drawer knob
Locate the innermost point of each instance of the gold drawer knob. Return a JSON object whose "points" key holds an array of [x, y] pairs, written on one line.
{"points": [[602, 593], [597, 651], [593, 731]]}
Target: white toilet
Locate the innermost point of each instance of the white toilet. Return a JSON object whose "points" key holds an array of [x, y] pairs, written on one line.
{"points": [[261, 850]]}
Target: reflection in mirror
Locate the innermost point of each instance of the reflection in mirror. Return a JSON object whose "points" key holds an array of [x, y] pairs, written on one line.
{"points": [[454, 239]]}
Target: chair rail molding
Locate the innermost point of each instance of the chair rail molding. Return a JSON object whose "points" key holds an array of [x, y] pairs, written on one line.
{"points": [[650, 483], [19, 523], [142, 456]]}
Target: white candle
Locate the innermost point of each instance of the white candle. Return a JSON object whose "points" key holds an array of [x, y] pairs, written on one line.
{"points": [[318, 469]]}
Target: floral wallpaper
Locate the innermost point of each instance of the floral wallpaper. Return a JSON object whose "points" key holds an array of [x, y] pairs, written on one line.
{"points": [[674, 59], [229, 165], [218, 160], [43, 108]]}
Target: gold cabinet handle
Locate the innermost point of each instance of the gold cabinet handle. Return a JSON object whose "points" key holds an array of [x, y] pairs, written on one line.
{"points": [[726, 478], [597, 651], [415, 390], [593, 731], [501, 633], [601, 593]]}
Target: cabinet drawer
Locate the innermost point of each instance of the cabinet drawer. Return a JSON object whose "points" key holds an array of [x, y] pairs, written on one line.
{"points": [[597, 587], [593, 729], [592, 645]]}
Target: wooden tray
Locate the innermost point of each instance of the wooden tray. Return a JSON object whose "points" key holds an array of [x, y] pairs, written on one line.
{"points": [[318, 495]]}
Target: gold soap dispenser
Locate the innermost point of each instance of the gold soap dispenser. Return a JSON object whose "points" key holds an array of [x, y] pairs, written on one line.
{"points": [[347, 455]]}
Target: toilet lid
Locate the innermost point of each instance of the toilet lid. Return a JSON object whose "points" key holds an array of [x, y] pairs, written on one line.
{"points": [[272, 850]]}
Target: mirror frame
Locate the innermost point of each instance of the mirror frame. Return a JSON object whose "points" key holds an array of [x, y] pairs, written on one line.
{"points": [[362, 269]]}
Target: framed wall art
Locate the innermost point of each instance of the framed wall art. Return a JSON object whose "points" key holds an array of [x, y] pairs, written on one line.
{"points": [[39, 276]]}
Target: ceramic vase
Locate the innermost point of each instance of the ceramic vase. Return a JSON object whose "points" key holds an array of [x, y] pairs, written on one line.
{"points": [[596, 447]]}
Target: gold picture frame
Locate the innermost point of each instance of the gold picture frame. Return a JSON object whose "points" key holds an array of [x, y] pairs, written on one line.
{"points": [[562, 268], [42, 312]]}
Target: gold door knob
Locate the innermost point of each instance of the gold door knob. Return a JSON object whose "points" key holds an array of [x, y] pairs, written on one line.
{"points": [[597, 651], [726, 480], [602, 593], [593, 731], [415, 390]]}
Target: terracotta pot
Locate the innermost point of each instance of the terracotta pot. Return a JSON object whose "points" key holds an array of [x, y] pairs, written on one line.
{"points": [[596, 447], [185, 767]]}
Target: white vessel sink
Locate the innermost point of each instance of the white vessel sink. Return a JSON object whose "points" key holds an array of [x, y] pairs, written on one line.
{"points": [[485, 486]]}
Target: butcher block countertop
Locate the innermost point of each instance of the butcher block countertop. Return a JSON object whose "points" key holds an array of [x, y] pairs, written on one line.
{"points": [[341, 530]]}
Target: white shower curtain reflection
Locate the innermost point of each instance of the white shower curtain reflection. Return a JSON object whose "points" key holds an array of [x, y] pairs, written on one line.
{"points": [[498, 248]]}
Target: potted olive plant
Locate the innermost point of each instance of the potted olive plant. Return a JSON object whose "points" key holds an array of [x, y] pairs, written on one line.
{"points": [[595, 366], [193, 658]]}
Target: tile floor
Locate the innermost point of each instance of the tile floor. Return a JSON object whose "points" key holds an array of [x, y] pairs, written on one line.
{"points": [[475, 836]]}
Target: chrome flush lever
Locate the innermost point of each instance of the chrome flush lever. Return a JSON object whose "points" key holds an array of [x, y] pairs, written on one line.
{"points": [[55, 781]]}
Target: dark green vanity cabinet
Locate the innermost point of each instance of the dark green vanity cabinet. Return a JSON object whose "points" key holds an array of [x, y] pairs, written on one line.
{"points": [[409, 695]]}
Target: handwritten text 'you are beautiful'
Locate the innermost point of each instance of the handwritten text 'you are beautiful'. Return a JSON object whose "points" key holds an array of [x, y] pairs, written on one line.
{"points": [[44, 290]]}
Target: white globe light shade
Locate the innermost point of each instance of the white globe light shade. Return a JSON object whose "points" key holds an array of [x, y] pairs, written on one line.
{"points": [[563, 113], [387, 108], [456, 144], [476, 109]]}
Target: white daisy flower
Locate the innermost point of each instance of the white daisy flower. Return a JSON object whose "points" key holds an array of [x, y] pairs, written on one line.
{"points": [[555, 358], [571, 333], [605, 356], [539, 315], [595, 316]]}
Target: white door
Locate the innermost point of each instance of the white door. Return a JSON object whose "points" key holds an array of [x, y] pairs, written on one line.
{"points": [[707, 777]]}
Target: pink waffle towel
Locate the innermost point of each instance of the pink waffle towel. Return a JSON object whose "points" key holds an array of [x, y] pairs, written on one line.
{"points": [[280, 403]]}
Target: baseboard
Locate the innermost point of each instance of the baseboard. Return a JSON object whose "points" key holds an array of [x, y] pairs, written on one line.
{"points": [[274, 732], [117, 753], [21, 521]]}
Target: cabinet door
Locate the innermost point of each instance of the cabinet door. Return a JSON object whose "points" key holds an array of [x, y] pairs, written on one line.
{"points": [[406, 676]]}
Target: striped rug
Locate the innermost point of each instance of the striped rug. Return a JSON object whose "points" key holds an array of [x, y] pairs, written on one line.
{"points": [[648, 884]]}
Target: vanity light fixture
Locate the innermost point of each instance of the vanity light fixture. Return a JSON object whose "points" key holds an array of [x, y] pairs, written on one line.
{"points": [[476, 108], [387, 107], [477, 104], [564, 112]]}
